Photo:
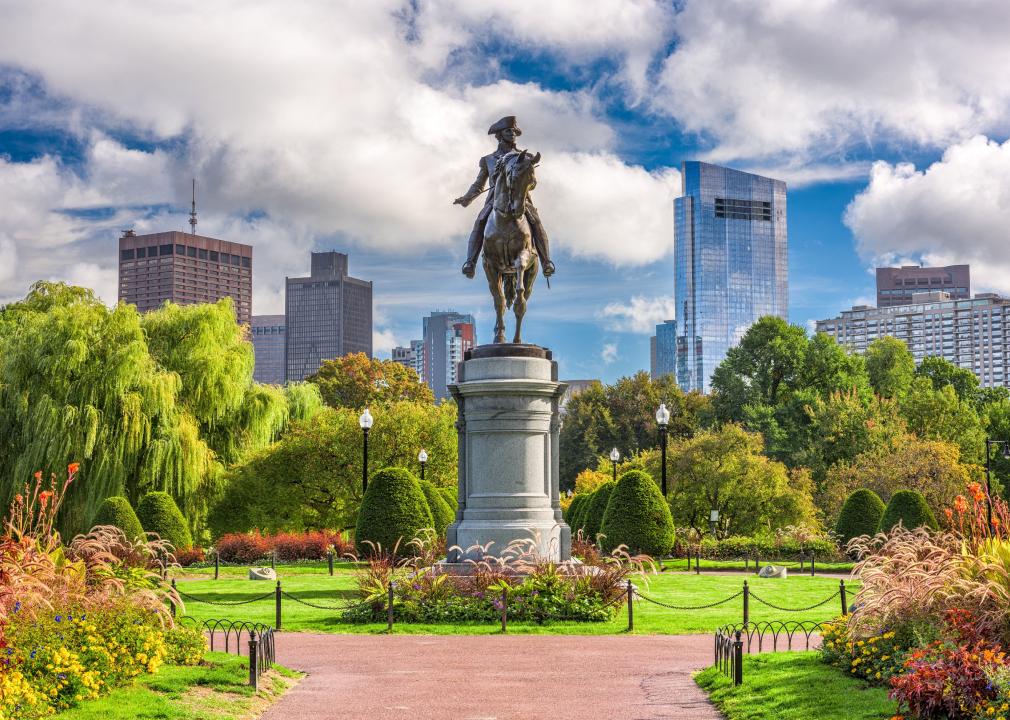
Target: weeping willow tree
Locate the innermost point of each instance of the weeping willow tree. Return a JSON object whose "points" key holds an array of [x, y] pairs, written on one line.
{"points": [[159, 402]]}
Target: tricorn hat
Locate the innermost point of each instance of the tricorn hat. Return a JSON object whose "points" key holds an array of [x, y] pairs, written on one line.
{"points": [[509, 121]]}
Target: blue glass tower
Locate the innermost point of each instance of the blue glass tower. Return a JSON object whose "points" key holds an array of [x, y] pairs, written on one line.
{"points": [[731, 263], [666, 348]]}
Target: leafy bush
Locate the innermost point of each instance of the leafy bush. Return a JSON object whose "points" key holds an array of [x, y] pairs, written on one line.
{"points": [[242, 548], [637, 516], [910, 509], [118, 512], [768, 547], [875, 658], [159, 514], [190, 556], [596, 509], [253, 547], [576, 512], [860, 515], [184, 646], [393, 511], [441, 514], [450, 496]]}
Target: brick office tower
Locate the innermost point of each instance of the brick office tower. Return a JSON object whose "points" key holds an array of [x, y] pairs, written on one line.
{"points": [[186, 269], [328, 315], [897, 285]]}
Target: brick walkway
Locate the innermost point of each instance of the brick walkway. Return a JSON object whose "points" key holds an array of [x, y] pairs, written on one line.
{"points": [[492, 677]]}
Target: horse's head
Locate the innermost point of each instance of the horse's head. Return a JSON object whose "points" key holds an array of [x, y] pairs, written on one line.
{"points": [[520, 180]]}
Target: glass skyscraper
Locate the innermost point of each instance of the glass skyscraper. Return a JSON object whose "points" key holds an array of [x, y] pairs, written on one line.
{"points": [[731, 263], [665, 362]]}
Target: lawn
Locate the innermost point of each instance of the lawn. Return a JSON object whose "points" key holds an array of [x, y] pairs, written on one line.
{"points": [[793, 565], [795, 686], [216, 690], [676, 588]]}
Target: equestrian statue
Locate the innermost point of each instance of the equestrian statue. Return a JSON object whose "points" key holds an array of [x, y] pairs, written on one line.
{"points": [[508, 227]]}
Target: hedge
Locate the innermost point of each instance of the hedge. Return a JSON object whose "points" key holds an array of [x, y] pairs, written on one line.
{"points": [[860, 515], [638, 516], [159, 514], [441, 514], [393, 511], [596, 508], [117, 511], [736, 547], [909, 508], [450, 497], [572, 516]]}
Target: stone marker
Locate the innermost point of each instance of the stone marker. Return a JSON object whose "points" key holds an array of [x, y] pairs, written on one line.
{"points": [[772, 571], [262, 573]]}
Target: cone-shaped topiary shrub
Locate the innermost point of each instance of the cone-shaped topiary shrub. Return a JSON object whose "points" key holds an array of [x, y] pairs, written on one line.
{"points": [[117, 511], [910, 508], [572, 513], [597, 507], [638, 516], [441, 514], [860, 515], [449, 494], [158, 513], [393, 510]]}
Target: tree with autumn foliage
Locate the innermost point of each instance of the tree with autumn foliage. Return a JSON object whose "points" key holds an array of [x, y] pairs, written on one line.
{"points": [[357, 381]]}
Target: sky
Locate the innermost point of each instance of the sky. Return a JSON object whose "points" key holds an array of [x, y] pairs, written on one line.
{"points": [[353, 125]]}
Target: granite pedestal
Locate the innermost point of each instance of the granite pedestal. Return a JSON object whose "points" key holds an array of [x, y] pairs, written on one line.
{"points": [[508, 399]]}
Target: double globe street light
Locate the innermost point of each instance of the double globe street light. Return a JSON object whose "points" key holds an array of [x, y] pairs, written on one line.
{"points": [[365, 421]]}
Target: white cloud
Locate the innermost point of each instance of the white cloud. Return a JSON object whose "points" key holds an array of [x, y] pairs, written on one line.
{"points": [[383, 341], [608, 353], [802, 77], [640, 315], [955, 211]]}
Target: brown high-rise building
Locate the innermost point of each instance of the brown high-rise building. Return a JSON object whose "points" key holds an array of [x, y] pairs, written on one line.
{"points": [[186, 269], [895, 286]]}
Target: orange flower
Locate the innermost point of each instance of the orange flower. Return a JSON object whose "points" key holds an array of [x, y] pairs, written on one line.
{"points": [[976, 491], [72, 468], [38, 474], [19, 498], [949, 513], [960, 504], [44, 497], [995, 522]]}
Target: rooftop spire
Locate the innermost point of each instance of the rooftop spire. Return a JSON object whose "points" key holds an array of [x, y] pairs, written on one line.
{"points": [[192, 213]]}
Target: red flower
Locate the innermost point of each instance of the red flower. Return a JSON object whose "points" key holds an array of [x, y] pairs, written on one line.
{"points": [[44, 497], [72, 468]]}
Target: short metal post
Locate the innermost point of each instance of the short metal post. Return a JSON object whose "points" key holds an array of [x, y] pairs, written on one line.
{"points": [[631, 608], [842, 593], [329, 560], [277, 603], [697, 561], [504, 610], [757, 564], [273, 560], [812, 563], [171, 602], [389, 608], [803, 561], [746, 604], [738, 660], [254, 675], [217, 564]]}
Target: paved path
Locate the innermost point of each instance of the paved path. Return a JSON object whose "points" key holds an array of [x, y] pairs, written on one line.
{"points": [[493, 677]]}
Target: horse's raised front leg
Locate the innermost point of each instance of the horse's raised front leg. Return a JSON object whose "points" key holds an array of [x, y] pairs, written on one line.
{"points": [[494, 281]]}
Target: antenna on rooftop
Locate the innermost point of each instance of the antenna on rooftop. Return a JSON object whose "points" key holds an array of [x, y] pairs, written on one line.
{"points": [[192, 213]]}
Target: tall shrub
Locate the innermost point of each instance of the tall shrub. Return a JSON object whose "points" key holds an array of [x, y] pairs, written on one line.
{"points": [[441, 514], [394, 510], [450, 497], [593, 519], [159, 514], [860, 515], [638, 516], [117, 511], [910, 508]]}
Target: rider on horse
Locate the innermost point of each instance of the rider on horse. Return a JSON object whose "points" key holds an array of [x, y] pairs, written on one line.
{"points": [[505, 131]]}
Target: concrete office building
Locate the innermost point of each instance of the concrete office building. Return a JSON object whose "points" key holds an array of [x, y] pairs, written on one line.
{"points": [[447, 336], [968, 333], [268, 343], [730, 250], [664, 352], [897, 285], [185, 269], [327, 315]]}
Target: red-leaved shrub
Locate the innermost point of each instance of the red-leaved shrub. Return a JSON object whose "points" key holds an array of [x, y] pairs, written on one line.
{"points": [[300, 546], [242, 548], [188, 556], [245, 548]]}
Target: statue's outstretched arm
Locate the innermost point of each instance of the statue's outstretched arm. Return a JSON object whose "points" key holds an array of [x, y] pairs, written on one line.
{"points": [[476, 189]]}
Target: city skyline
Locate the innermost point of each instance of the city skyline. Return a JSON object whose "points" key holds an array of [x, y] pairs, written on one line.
{"points": [[614, 100]]}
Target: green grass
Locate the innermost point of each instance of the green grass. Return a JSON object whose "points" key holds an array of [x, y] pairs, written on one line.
{"points": [[680, 564], [685, 589], [216, 690], [795, 686]]}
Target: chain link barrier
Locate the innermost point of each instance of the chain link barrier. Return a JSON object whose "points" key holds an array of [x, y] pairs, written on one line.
{"points": [[335, 608], [688, 607], [825, 601], [223, 603]]}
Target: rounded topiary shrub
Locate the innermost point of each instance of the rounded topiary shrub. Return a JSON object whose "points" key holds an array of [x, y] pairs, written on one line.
{"points": [[571, 513], [159, 514], [579, 514], [449, 494], [638, 516], [441, 514], [593, 514], [117, 511], [861, 515], [394, 510], [909, 508]]}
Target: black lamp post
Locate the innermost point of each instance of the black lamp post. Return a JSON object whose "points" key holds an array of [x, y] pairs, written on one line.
{"points": [[422, 457], [1005, 445], [615, 457], [365, 421], [662, 419]]}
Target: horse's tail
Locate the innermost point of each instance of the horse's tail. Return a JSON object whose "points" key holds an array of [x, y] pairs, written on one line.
{"points": [[510, 289]]}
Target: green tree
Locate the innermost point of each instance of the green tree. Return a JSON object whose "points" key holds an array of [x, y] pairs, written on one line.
{"points": [[118, 512], [909, 508], [725, 470], [890, 367], [393, 512], [357, 381], [860, 515], [159, 514], [942, 415], [941, 373], [637, 516], [587, 430]]}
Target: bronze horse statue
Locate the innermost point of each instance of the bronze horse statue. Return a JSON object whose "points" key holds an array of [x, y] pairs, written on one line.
{"points": [[510, 261]]}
